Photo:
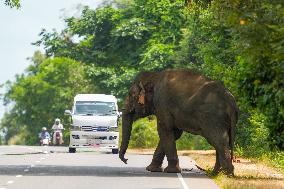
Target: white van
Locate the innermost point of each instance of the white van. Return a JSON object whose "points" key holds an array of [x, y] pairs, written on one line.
{"points": [[94, 122]]}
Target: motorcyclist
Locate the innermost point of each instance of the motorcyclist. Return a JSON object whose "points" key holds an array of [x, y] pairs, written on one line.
{"points": [[57, 127], [44, 134]]}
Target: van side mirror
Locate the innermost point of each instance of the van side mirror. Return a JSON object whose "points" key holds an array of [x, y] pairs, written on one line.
{"points": [[67, 112]]}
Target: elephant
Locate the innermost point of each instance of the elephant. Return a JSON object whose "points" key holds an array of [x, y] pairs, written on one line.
{"points": [[182, 100]]}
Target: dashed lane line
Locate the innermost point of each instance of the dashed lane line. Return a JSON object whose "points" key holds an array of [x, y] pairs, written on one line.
{"points": [[25, 170], [10, 182]]}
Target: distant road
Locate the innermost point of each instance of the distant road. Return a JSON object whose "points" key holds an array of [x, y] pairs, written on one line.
{"points": [[25, 167]]}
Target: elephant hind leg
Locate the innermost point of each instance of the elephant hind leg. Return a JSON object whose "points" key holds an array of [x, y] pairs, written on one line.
{"points": [[225, 161], [220, 141], [224, 155]]}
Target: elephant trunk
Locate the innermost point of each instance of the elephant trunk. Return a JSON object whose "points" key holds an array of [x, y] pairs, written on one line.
{"points": [[127, 120]]}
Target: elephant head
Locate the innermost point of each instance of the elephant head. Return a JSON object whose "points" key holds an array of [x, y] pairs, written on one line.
{"points": [[138, 104]]}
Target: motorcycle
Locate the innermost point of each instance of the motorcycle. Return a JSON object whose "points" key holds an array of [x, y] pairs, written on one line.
{"points": [[57, 138], [45, 139], [45, 142]]}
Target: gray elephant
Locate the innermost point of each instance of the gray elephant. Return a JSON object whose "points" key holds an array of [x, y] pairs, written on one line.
{"points": [[182, 100]]}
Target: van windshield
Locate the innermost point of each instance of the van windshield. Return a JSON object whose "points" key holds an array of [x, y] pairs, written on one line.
{"points": [[95, 108]]}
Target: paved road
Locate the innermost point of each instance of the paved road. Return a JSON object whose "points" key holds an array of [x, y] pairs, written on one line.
{"points": [[23, 167]]}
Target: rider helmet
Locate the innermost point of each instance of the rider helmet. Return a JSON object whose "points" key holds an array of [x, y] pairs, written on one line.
{"points": [[57, 121]]}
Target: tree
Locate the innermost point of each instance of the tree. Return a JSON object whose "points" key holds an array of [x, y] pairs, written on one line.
{"points": [[119, 40], [38, 98], [13, 3], [257, 30]]}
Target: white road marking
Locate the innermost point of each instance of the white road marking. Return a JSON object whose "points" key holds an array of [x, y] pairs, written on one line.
{"points": [[37, 161], [182, 181], [18, 176], [26, 170], [10, 182], [2, 188], [42, 158], [32, 165]]}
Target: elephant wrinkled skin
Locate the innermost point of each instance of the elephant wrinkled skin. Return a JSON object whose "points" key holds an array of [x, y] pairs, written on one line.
{"points": [[182, 100]]}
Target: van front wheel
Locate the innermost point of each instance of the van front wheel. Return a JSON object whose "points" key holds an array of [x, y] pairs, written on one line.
{"points": [[114, 151], [72, 150]]}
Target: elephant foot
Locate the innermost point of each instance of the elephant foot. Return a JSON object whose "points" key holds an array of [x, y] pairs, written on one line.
{"points": [[173, 167], [229, 172], [216, 170], [154, 168]]}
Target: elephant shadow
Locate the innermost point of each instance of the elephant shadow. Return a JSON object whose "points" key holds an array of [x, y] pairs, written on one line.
{"points": [[98, 171]]}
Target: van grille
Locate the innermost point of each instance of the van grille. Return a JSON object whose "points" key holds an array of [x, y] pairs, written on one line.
{"points": [[94, 128]]}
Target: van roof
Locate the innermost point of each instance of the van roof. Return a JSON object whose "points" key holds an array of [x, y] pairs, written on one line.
{"points": [[95, 97]]}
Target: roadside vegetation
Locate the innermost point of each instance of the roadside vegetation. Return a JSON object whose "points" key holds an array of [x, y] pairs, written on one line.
{"points": [[238, 42], [249, 173]]}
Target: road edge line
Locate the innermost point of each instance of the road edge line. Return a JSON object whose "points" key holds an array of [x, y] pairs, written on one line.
{"points": [[182, 181]]}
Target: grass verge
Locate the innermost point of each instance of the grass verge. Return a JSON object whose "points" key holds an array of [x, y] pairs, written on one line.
{"points": [[249, 173]]}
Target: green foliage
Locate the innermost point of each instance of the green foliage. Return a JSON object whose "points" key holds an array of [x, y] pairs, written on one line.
{"points": [[13, 3], [42, 95], [257, 28], [252, 135], [144, 135], [157, 57], [192, 142], [252, 139], [117, 43]]}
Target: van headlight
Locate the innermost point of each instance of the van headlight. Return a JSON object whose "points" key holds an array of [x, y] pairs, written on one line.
{"points": [[114, 129], [75, 128]]}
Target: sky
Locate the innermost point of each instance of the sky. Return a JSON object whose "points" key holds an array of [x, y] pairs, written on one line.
{"points": [[19, 28]]}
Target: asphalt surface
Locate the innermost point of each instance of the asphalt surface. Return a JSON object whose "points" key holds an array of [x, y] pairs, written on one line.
{"points": [[25, 167]]}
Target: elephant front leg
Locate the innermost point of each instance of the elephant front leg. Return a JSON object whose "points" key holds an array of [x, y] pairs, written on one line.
{"points": [[157, 161], [169, 147]]}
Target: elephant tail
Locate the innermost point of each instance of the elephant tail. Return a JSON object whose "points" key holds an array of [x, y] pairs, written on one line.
{"points": [[234, 119], [233, 112]]}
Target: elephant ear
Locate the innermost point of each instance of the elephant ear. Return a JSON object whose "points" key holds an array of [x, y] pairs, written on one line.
{"points": [[141, 97]]}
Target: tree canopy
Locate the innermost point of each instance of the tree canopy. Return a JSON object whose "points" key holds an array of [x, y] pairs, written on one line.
{"points": [[42, 94], [12, 3]]}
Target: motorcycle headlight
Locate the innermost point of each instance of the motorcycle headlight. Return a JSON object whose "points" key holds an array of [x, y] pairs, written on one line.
{"points": [[114, 129], [75, 128]]}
